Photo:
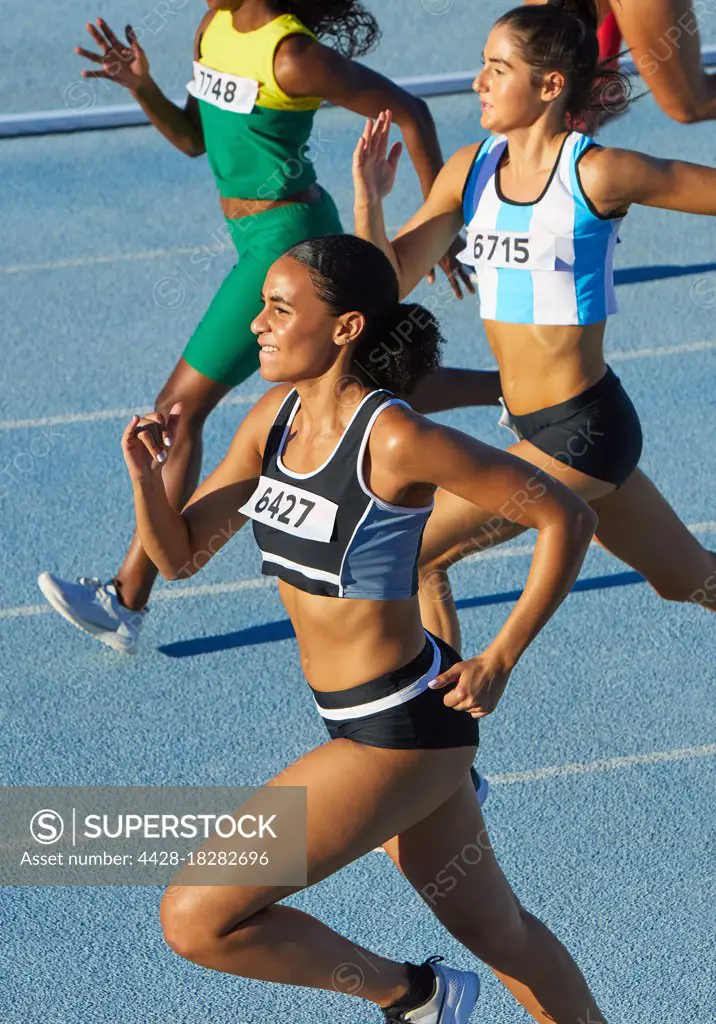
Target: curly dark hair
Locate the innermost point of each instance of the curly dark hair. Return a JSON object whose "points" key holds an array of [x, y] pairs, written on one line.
{"points": [[352, 29], [561, 35]]}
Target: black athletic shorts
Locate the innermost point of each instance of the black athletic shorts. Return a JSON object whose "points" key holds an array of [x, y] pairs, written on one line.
{"points": [[597, 433], [397, 710]]}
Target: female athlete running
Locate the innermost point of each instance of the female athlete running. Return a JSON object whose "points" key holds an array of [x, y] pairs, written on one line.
{"points": [[338, 476], [260, 74], [543, 207]]}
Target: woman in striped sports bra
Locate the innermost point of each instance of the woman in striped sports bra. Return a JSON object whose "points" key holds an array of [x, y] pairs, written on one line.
{"points": [[259, 76], [338, 476], [543, 207]]}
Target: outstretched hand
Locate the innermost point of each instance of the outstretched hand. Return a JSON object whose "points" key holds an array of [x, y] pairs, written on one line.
{"points": [[127, 65], [145, 442], [374, 168]]}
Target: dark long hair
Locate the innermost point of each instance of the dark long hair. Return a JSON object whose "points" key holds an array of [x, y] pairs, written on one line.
{"points": [[561, 35], [352, 29], [401, 342]]}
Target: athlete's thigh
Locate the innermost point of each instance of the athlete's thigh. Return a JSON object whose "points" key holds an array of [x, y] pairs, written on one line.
{"points": [[223, 347], [457, 528], [448, 859], [357, 796], [639, 526]]}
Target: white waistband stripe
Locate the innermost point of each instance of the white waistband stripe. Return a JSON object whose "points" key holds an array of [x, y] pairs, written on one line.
{"points": [[373, 707], [305, 570]]}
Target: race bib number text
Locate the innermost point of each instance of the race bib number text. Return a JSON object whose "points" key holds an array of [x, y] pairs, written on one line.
{"points": [[510, 249], [293, 510], [230, 92]]}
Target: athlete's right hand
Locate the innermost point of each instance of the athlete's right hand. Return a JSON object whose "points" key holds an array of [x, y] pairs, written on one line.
{"points": [[125, 65], [145, 442], [373, 167]]}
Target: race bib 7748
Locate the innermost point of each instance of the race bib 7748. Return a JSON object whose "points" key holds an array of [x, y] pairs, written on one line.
{"points": [[229, 92], [291, 509]]}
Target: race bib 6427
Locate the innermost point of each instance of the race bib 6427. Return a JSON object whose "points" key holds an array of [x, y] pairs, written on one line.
{"points": [[291, 509]]}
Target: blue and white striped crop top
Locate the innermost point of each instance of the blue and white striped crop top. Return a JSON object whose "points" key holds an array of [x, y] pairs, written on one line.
{"points": [[325, 532], [547, 262]]}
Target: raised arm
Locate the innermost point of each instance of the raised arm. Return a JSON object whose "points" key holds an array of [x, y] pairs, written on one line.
{"points": [[429, 233], [181, 543], [410, 450], [615, 178], [128, 66], [304, 67]]}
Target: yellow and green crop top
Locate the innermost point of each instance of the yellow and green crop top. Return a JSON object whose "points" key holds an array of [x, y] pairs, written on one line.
{"points": [[256, 136]]}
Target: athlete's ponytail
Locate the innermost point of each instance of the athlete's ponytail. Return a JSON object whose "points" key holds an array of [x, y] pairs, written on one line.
{"points": [[401, 342], [584, 9], [352, 29], [402, 347], [561, 35]]}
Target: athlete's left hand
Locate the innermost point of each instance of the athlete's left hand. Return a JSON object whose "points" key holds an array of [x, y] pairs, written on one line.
{"points": [[479, 684], [456, 272]]}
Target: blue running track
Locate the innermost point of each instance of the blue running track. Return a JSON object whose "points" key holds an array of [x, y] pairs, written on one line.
{"points": [[601, 755]]}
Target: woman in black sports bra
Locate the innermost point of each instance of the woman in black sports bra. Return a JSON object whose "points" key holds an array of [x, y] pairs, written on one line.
{"points": [[338, 478]]}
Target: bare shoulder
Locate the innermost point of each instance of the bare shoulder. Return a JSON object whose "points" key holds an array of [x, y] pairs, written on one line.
{"points": [[294, 48], [464, 156], [450, 183], [604, 171], [398, 434], [462, 160], [296, 60], [600, 161]]}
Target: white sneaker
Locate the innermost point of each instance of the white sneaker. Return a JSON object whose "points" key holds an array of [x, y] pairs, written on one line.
{"points": [[94, 607], [452, 1001], [482, 788]]}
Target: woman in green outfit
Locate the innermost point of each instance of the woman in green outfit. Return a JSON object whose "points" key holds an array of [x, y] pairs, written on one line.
{"points": [[260, 73]]}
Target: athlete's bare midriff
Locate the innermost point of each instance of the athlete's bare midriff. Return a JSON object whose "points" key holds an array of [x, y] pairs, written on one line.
{"points": [[543, 365], [235, 208], [344, 642]]}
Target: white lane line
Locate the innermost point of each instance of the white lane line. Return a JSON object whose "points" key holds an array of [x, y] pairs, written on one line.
{"points": [[202, 589], [608, 764], [110, 414], [80, 113], [665, 350], [235, 586], [107, 414], [110, 257], [162, 594], [513, 551]]}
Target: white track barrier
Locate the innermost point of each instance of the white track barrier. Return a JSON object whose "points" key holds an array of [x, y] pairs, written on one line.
{"points": [[50, 122]]}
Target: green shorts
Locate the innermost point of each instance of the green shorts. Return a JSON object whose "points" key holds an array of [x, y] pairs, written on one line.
{"points": [[223, 347]]}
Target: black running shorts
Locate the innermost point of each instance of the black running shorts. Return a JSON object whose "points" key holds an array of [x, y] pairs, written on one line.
{"points": [[597, 433], [398, 710]]}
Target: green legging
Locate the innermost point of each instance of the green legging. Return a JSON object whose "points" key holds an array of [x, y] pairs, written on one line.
{"points": [[223, 347]]}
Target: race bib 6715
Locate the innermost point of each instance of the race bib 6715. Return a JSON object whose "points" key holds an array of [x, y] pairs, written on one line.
{"points": [[518, 250]]}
